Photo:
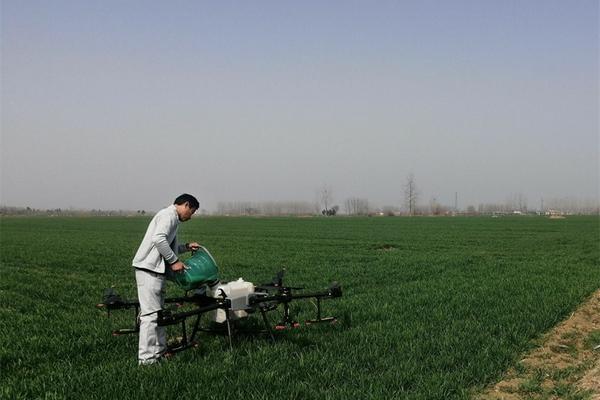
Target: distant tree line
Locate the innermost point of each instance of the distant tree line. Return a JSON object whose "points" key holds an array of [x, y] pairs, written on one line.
{"points": [[275, 208], [69, 212], [357, 206], [324, 205], [353, 206], [514, 204]]}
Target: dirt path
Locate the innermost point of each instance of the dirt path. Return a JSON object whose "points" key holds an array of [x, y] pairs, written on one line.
{"points": [[565, 366]]}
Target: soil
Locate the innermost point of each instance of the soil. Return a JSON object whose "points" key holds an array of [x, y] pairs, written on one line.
{"points": [[565, 366]]}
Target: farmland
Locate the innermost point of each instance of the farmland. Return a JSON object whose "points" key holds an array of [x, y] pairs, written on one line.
{"points": [[433, 308]]}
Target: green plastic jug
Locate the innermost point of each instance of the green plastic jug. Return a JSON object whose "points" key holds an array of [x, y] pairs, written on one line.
{"points": [[200, 269]]}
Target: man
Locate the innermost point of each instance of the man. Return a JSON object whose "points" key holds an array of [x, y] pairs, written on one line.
{"points": [[155, 256]]}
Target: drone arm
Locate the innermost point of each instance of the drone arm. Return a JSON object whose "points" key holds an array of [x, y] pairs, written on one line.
{"points": [[165, 317]]}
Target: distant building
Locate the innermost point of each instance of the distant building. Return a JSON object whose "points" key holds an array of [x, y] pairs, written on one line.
{"points": [[555, 214]]}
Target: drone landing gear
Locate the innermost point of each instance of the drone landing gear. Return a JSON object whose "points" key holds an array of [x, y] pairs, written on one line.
{"points": [[172, 350], [287, 322], [126, 331], [331, 320], [116, 303], [320, 319], [263, 312], [166, 318], [184, 343], [283, 326]]}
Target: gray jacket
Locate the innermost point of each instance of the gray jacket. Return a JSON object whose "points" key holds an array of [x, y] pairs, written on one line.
{"points": [[160, 242]]}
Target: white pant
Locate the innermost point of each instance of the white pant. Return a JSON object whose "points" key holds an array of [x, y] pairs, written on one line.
{"points": [[151, 295]]}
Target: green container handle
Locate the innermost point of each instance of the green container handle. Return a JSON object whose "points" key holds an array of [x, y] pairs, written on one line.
{"points": [[203, 270]]}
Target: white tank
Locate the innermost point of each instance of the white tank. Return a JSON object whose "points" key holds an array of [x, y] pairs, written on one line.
{"points": [[237, 292]]}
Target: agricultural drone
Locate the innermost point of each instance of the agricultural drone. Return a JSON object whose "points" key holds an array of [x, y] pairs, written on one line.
{"points": [[225, 303]]}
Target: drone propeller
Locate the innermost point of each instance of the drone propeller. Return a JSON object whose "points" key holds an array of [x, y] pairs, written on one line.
{"points": [[271, 287], [335, 289], [110, 298], [278, 278], [277, 283]]}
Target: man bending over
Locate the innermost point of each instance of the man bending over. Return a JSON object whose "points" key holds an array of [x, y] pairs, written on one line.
{"points": [[157, 253]]}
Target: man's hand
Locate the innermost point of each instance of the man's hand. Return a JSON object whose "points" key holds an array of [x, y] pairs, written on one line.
{"points": [[193, 246], [177, 267]]}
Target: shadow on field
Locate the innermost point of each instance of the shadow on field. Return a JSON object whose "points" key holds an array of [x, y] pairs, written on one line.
{"points": [[250, 337], [384, 247]]}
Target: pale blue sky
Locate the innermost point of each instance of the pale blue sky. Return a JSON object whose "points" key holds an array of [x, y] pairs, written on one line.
{"points": [[123, 104]]}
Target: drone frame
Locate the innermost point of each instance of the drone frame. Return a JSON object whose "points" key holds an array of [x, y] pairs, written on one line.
{"points": [[266, 298]]}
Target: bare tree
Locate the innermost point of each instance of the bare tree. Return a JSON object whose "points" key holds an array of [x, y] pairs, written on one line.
{"points": [[356, 206], [491, 208], [522, 201], [411, 194], [325, 197], [435, 208], [516, 202], [236, 208]]}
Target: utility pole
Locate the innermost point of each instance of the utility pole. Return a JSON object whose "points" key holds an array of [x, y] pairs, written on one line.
{"points": [[455, 202], [542, 207]]}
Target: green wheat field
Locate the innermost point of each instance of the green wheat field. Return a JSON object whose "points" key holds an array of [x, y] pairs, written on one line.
{"points": [[433, 308]]}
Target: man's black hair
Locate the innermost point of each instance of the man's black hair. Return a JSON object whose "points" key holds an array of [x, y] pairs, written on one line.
{"points": [[187, 198]]}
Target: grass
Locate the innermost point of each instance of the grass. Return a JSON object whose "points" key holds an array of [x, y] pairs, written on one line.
{"points": [[593, 340], [433, 308]]}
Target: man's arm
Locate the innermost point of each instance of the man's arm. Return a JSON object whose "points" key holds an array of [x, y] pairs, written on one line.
{"points": [[159, 239], [182, 248], [193, 246]]}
